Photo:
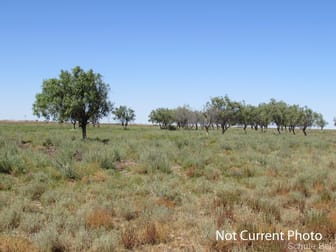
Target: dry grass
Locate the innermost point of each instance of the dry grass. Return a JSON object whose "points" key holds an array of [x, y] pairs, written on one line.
{"points": [[16, 244], [166, 202], [98, 218], [153, 190], [154, 233], [129, 238]]}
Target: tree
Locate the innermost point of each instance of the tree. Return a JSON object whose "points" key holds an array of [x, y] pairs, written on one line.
{"points": [[307, 119], [245, 116], [183, 116], [76, 95], [163, 116], [226, 111], [263, 116], [293, 117], [208, 116], [196, 118], [124, 115], [319, 120], [278, 113]]}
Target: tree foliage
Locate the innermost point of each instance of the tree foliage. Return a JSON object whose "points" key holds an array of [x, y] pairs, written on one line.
{"points": [[124, 114], [319, 120], [162, 116], [222, 113], [75, 95]]}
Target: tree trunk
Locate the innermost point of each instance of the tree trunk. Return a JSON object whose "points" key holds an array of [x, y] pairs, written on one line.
{"points": [[304, 131], [84, 130], [207, 128], [224, 128]]}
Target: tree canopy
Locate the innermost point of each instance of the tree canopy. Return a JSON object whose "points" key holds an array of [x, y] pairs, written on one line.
{"points": [[222, 112], [162, 116], [75, 95], [124, 114]]}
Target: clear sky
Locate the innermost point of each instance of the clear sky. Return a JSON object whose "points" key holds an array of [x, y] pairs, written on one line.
{"points": [[170, 53]]}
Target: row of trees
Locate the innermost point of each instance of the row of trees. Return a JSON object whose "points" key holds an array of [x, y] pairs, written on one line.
{"points": [[222, 112], [82, 97]]}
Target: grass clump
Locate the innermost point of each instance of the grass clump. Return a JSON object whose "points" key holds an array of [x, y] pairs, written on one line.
{"points": [[107, 242], [107, 163], [16, 244], [11, 163], [129, 238], [99, 218], [67, 170], [154, 160]]}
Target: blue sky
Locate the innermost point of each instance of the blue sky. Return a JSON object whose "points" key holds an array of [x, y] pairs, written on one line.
{"points": [[170, 53]]}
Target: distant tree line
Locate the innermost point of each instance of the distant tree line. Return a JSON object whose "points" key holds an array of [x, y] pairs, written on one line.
{"points": [[79, 96], [222, 113]]}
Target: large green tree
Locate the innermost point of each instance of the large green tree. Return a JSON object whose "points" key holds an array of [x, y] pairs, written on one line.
{"points": [[75, 95]]}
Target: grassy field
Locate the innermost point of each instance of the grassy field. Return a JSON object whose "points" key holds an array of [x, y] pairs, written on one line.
{"points": [[146, 189]]}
